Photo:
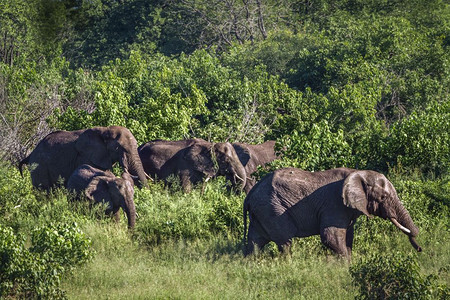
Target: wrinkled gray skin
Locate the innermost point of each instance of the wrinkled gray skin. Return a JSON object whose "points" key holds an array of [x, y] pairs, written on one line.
{"points": [[193, 161], [292, 203], [252, 156], [61, 152], [104, 187]]}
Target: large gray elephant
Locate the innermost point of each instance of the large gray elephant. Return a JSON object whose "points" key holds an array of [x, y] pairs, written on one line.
{"points": [[104, 187], [252, 156], [292, 203], [61, 152], [193, 161]]}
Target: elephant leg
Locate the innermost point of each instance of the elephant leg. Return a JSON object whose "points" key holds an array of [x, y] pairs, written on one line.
{"points": [[185, 181], [349, 240], [254, 241], [285, 248], [335, 239], [116, 214]]}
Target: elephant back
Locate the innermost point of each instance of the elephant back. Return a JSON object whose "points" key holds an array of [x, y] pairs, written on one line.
{"points": [[83, 175]]}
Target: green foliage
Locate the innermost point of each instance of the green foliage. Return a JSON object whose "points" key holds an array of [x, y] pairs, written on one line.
{"points": [[30, 93], [62, 244], [36, 271], [32, 30], [107, 29], [157, 97], [12, 258], [166, 215], [39, 240], [337, 83], [153, 97], [394, 276], [422, 140], [317, 149]]}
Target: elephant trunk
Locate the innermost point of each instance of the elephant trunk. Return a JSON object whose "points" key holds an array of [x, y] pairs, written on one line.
{"points": [[130, 210], [132, 162], [239, 177], [404, 222]]}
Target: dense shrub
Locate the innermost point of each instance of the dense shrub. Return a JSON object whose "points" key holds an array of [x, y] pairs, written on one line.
{"points": [[421, 141], [394, 276], [172, 214], [40, 241], [36, 271]]}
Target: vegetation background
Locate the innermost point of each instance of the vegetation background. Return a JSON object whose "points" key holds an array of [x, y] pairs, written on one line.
{"points": [[354, 83]]}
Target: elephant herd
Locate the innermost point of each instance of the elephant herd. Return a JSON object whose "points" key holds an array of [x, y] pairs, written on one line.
{"points": [[284, 204]]}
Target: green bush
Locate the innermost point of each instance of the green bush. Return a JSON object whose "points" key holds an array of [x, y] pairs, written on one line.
{"points": [[13, 256], [421, 141], [36, 272], [394, 276], [62, 244], [171, 214]]}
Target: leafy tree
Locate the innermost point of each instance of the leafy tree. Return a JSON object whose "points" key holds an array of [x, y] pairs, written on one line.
{"points": [[109, 29], [220, 23], [421, 141]]}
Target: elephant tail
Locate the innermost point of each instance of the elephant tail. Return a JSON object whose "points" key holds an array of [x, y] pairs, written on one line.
{"points": [[23, 162], [245, 210]]}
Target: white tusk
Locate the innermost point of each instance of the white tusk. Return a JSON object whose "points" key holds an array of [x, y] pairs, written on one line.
{"points": [[207, 178], [402, 228], [239, 177]]}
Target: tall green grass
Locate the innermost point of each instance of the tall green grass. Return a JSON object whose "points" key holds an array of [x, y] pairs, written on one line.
{"points": [[201, 269]]}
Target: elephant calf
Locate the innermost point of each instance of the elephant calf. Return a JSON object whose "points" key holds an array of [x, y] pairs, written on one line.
{"points": [[104, 187], [292, 203]]}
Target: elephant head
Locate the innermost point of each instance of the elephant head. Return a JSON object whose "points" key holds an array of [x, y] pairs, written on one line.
{"points": [[206, 160], [371, 193], [102, 146], [116, 193], [229, 165]]}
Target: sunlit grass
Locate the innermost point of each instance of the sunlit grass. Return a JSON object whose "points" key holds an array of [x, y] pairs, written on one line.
{"points": [[201, 269]]}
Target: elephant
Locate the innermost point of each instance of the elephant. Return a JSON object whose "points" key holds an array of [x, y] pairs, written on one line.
{"points": [[290, 203], [61, 152], [192, 160], [252, 156], [104, 187]]}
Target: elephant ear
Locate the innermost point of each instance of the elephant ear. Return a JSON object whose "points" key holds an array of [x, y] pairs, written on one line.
{"points": [[97, 190], [354, 193], [200, 157], [243, 153], [92, 148]]}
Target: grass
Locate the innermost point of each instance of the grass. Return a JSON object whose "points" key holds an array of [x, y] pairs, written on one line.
{"points": [[214, 268], [201, 269]]}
